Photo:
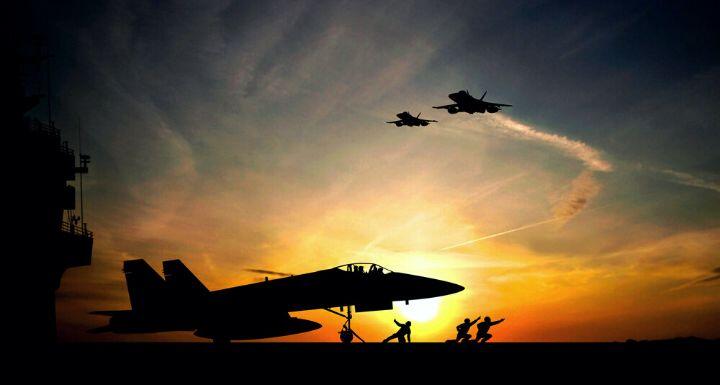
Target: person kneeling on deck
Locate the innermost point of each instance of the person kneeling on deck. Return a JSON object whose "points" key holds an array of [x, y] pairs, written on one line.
{"points": [[463, 329], [484, 328]]}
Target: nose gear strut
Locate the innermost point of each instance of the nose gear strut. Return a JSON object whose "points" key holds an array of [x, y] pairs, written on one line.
{"points": [[346, 333]]}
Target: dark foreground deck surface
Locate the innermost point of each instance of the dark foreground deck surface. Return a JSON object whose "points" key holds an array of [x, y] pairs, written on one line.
{"points": [[258, 350], [642, 360]]}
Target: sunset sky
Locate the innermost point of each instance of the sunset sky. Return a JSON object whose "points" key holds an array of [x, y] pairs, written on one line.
{"points": [[252, 135]]}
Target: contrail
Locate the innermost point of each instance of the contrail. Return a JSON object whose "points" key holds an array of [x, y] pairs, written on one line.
{"points": [[502, 233], [558, 218], [575, 148], [268, 272], [481, 193]]}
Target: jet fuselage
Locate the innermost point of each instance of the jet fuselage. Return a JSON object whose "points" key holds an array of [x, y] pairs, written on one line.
{"points": [[338, 287], [180, 302]]}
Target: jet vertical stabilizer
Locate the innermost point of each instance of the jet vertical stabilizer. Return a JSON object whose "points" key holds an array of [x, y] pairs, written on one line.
{"points": [[145, 286], [180, 280]]}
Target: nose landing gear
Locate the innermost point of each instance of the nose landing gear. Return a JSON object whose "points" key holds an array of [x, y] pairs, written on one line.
{"points": [[346, 333]]}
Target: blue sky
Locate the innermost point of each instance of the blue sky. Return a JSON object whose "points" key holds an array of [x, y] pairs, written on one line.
{"points": [[251, 135]]}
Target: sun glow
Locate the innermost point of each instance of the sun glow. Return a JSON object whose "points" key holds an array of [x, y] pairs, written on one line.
{"points": [[420, 310]]}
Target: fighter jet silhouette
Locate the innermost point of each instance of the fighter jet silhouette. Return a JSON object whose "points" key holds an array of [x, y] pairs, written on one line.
{"points": [[464, 102], [408, 120], [180, 302]]}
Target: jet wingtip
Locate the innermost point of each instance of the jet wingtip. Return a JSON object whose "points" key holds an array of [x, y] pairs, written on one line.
{"points": [[98, 312], [101, 329]]}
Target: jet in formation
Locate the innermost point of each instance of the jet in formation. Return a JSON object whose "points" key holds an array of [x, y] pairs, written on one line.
{"points": [[408, 120], [464, 102], [180, 302]]}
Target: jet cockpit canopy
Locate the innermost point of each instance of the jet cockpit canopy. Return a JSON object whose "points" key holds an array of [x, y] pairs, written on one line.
{"points": [[364, 268]]}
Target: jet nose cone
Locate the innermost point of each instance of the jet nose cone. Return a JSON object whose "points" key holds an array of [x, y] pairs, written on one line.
{"points": [[407, 287], [450, 288], [438, 288]]}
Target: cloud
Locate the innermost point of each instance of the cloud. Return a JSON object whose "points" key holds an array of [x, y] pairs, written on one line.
{"points": [[714, 277], [268, 272], [583, 189], [690, 180], [495, 235], [573, 148]]}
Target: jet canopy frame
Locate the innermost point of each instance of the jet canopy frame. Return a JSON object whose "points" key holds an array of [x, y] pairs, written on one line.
{"points": [[364, 268]]}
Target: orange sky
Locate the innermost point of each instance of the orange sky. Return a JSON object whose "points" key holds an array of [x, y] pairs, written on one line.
{"points": [[253, 136], [592, 274]]}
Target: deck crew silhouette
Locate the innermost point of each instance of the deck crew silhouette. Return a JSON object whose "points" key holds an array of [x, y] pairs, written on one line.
{"points": [[401, 333], [484, 328], [463, 329]]}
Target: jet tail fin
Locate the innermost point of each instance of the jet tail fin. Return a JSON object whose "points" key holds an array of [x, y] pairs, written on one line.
{"points": [[145, 286], [101, 329], [483, 96], [180, 280], [109, 313]]}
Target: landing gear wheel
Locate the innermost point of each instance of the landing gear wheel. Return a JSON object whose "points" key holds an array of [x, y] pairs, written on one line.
{"points": [[346, 333], [346, 336]]}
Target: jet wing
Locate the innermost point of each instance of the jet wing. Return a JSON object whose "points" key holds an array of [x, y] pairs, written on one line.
{"points": [[253, 322], [101, 329], [110, 313], [445, 107], [499, 104]]}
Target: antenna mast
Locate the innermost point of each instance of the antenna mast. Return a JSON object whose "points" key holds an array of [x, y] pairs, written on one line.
{"points": [[82, 214], [49, 96]]}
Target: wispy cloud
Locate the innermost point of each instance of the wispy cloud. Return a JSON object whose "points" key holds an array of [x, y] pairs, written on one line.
{"points": [[714, 277], [268, 272], [477, 195], [705, 279], [590, 156], [583, 189], [686, 179], [495, 235]]}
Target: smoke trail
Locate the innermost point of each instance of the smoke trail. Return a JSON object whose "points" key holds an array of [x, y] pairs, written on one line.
{"points": [[715, 276], [574, 148], [502, 233], [582, 190], [691, 180], [268, 272], [482, 192]]}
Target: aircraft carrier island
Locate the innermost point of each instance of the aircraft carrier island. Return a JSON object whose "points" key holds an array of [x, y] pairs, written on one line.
{"points": [[51, 235]]}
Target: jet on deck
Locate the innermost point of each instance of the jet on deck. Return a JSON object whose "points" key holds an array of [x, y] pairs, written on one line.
{"points": [[180, 302], [464, 102]]}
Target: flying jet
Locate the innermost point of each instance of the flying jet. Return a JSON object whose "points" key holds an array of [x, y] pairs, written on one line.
{"points": [[464, 102], [180, 302], [408, 120]]}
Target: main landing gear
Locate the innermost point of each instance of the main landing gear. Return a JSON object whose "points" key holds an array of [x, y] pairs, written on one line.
{"points": [[346, 333]]}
